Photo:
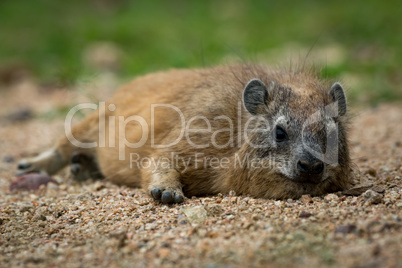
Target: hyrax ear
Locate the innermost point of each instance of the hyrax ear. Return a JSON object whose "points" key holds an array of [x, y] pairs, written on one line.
{"points": [[338, 94], [255, 96]]}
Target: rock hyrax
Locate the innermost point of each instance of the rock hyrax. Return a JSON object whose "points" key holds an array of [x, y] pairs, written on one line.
{"points": [[249, 128]]}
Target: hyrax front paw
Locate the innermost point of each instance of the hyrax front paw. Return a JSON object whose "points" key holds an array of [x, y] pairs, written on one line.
{"points": [[167, 195]]}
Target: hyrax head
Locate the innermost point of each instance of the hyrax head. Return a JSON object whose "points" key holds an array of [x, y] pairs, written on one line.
{"points": [[299, 131]]}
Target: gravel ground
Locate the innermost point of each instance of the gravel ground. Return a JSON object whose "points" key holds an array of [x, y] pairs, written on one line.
{"points": [[100, 224]]}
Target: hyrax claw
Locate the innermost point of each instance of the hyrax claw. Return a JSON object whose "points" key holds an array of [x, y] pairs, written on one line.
{"points": [[167, 195], [178, 198], [156, 194]]}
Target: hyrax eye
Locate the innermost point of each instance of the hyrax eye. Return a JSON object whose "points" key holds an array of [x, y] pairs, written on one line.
{"points": [[280, 134]]}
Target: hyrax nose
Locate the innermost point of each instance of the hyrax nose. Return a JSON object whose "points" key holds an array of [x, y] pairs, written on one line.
{"points": [[310, 167]]}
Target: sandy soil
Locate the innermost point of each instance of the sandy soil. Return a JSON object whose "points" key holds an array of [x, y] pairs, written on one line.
{"points": [[99, 224]]}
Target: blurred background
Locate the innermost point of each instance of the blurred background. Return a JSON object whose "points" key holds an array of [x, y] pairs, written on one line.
{"points": [[68, 45]]}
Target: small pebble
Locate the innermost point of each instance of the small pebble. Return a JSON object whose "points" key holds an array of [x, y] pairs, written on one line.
{"points": [[164, 252], [196, 214], [346, 229], [305, 214], [372, 197], [331, 197], [357, 190], [378, 189], [8, 159], [31, 181], [22, 114], [372, 172], [306, 199]]}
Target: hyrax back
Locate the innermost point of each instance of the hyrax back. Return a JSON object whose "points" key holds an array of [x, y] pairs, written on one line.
{"points": [[248, 128]]}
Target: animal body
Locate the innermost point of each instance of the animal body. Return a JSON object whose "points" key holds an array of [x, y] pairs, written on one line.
{"points": [[259, 131]]}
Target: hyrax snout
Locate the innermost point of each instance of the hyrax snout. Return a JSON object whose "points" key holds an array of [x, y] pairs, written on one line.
{"points": [[248, 128]]}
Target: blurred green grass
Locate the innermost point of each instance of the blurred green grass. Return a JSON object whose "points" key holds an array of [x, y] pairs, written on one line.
{"points": [[50, 37]]}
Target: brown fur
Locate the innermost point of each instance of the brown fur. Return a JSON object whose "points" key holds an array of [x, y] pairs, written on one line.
{"points": [[210, 93]]}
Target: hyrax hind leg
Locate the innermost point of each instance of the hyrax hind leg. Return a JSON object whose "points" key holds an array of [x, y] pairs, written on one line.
{"points": [[48, 162], [82, 160], [163, 185]]}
